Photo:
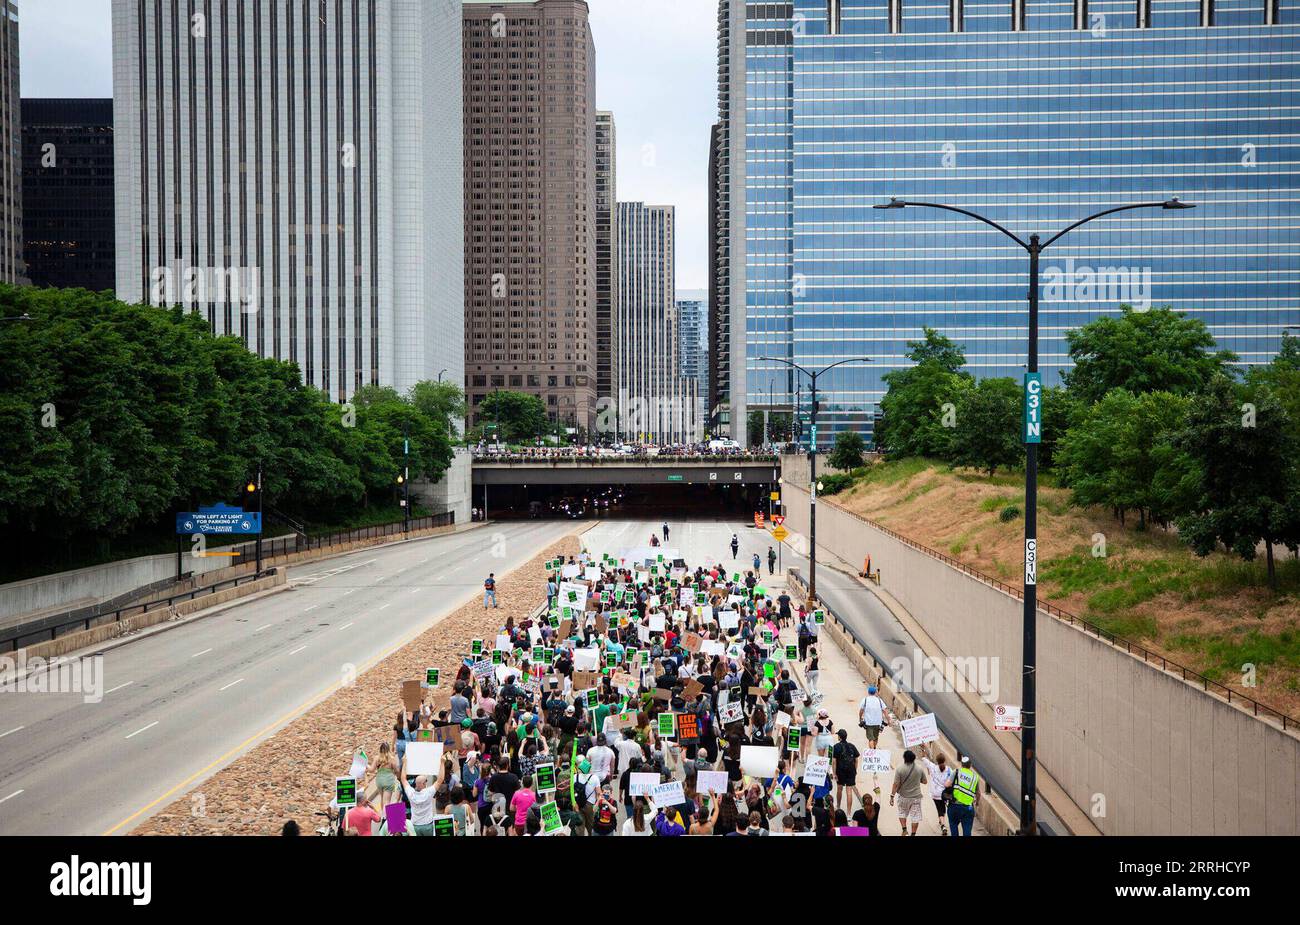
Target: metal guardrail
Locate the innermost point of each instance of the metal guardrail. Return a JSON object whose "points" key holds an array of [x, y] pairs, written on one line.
{"points": [[59, 625], [1132, 648], [625, 457], [34, 631]]}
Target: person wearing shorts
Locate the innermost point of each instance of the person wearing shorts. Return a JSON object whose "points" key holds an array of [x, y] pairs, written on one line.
{"points": [[872, 714], [844, 761], [908, 779]]}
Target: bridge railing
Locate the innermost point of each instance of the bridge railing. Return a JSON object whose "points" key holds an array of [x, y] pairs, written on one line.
{"points": [[625, 457]]}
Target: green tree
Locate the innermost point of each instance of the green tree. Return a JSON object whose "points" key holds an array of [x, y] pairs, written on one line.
{"points": [[1160, 350], [848, 450], [917, 412], [1281, 377], [1247, 453], [520, 416], [1121, 454], [439, 401], [987, 434]]}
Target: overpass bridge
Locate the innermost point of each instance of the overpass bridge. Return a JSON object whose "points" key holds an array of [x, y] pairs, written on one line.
{"points": [[743, 471]]}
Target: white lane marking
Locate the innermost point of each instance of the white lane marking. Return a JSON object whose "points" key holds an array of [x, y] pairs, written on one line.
{"points": [[297, 650], [204, 652], [416, 590], [385, 606], [230, 685], [311, 608], [12, 731], [260, 628], [344, 626], [380, 578], [349, 591], [142, 729], [12, 795], [119, 687]]}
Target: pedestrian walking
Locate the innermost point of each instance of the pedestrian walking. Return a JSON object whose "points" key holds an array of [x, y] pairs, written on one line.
{"points": [[965, 797], [813, 672], [735, 547], [665, 531], [771, 561], [907, 791], [490, 590], [941, 779]]}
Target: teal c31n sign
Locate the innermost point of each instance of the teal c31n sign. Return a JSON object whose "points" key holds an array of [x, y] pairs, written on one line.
{"points": [[1033, 429]]}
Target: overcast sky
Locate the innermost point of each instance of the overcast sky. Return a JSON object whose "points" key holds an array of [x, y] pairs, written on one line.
{"points": [[656, 70]]}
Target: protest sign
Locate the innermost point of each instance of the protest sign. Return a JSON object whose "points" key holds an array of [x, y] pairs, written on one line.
{"points": [[412, 696], [759, 760], [692, 689], [444, 826], [876, 761], [792, 739], [503, 642], [431, 677], [669, 793], [657, 623], [791, 653], [551, 818], [423, 758], [667, 725], [712, 782], [544, 775], [819, 617], [476, 647], [569, 571], [586, 659], [345, 791], [688, 728], [816, 771], [919, 729], [395, 818], [692, 642], [728, 619], [732, 712], [642, 785]]}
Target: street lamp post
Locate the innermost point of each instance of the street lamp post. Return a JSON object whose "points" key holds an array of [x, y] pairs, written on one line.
{"points": [[1032, 434], [812, 461], [255, 488], [405, 479]]}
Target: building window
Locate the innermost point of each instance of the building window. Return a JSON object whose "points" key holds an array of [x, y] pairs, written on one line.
{"points": [[956, 16]]}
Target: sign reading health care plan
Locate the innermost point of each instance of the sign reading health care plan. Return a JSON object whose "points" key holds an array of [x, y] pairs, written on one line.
{"points": [[876, 761], [919, 729]]}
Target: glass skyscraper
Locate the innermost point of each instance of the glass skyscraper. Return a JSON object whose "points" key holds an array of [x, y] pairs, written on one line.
{"points": [[1034, 114]]}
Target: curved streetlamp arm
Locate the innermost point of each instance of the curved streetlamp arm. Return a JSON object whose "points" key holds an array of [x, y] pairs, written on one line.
{"points": [[842, 362], [974, 215], [787, 363], [1084, 221]]}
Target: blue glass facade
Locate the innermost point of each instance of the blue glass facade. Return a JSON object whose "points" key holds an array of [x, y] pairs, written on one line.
{"points": [[1034, 128]]}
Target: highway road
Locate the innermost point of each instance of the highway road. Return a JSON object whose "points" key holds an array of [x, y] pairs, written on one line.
{"points": [[861, 609], [181, 704]]}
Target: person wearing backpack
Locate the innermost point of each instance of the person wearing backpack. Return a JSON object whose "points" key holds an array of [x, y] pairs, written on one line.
{"points": [[844, 761]]}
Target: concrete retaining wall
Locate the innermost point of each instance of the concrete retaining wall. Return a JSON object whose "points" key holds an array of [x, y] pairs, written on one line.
{"points": [[103, 633], [1138, 748]]}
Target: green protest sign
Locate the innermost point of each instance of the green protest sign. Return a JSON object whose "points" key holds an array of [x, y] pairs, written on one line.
{"points": [[476, 647], [431, 677], [667, 725], [551, 819]]}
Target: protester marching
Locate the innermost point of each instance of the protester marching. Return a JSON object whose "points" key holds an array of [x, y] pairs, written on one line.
{"points": [[647, 697]]}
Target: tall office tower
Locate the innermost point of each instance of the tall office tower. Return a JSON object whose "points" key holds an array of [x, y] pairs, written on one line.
{"points": [[606, 264], [693, 343], [291, 170], [530, 205], [68, 192], [655, 402], [11, 168], [727, 164], [1034, 115]]}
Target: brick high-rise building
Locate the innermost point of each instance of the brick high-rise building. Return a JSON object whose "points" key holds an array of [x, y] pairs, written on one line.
{"points": [[606, 253], [530, 205]]}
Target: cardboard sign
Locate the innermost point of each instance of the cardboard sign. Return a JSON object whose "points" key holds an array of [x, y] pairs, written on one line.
{"points": [[627, 720], [544, 777], [919, 729], [345, 791], [663, 694], [692, 689], [412, 696], [692, 642], [585, 679], [876, 761]]}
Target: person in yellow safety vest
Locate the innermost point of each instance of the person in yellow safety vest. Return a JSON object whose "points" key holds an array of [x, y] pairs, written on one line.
{"points": [[965, 797]]}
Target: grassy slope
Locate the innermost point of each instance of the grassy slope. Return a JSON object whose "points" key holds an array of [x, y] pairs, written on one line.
{"points": [[1213, 615]]}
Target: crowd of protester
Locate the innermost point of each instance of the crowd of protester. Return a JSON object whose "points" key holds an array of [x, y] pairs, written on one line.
{"points": [[646, 698]]}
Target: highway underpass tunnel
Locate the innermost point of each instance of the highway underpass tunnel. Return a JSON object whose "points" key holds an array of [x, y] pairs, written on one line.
{"points": [[639, 502]]}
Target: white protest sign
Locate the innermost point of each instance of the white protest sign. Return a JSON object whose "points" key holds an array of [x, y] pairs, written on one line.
{"points": [[1006, 718], [423, 758], [919, 729], [711, 647], [732, 712], [656, 623], [642, 785], [503, 642], [669, 793], [569, 571], [876, 761], [759, 760], [586, 659], [643, 632], [816, 771], [592, 573], [712, 781], [728, 619], [573, 594]]}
